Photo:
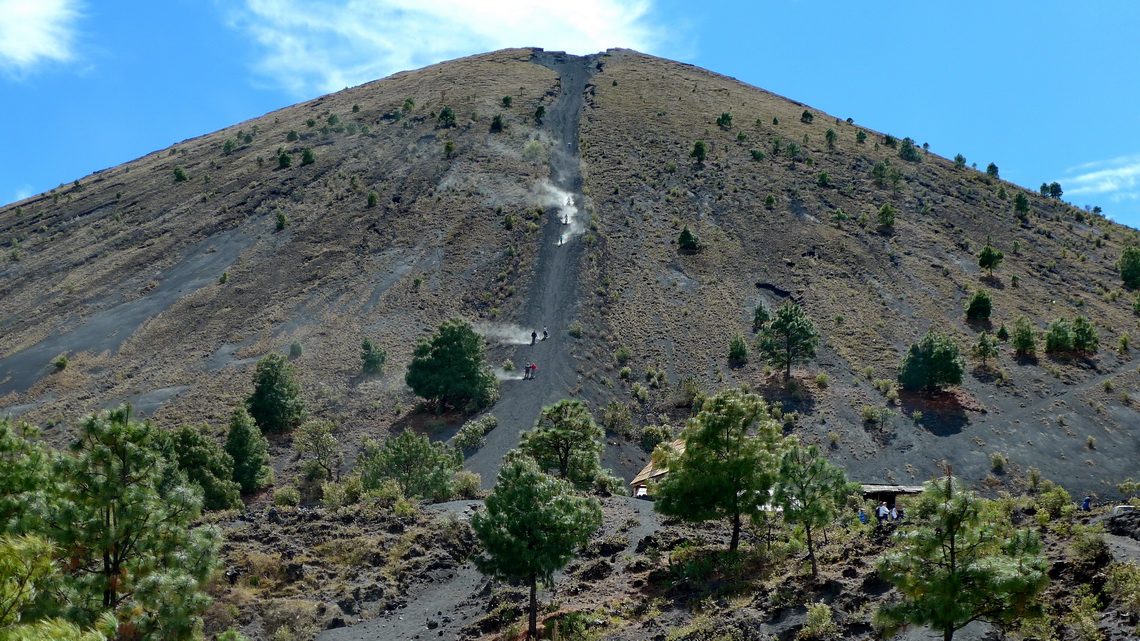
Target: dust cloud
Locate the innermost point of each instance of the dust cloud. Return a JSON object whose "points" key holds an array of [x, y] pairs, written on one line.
{"points": [[507, 334], [565, 206]]}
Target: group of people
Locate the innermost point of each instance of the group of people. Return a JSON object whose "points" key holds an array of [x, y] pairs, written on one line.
{"points": [[884, 513], [534, 335], [530, 368]]}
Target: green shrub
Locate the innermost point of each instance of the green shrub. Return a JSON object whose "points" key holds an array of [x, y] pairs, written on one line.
{"points": [[295, 350], [470, 436], [61, 363], [625, 373], [959, 161], [180, 174], [467, 485], [806, 117], [640, 392], [607, 483], [373, 198], [998, 462], [308, 156], [757, 155], [284, 160], [819, 623], [724, 120], [861, 137], [286, 496], [822, 381], [1124, 585], [507, 102], [292, 136], [616, 419], [653, 435], [623, 354], [497, 123]]}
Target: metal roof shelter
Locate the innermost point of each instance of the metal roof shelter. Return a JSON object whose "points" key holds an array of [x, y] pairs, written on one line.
{"points": [[889, 493], [653, 471]]}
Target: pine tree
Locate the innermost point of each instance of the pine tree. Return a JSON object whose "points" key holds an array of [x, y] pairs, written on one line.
{"points": [[372, 358], [1085, 338], [737, 350], [887, 215], [446, 117], [979, 306], [529, 527], [989, 259], [810, 490], [450, 368], [276, 404], [790, 337], [205, 464], [729, 464], [250, 452], [1129, 266], [700, 151], [960, 564], [24, 463], [986, 348], [1024, 337], [130, 545], [27, 571], [566, 439], [1059, 337], [931, 364], [688, 241]]}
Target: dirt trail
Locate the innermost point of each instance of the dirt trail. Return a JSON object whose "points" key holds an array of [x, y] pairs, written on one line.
{"points": [[448, 602], [553, 301]]}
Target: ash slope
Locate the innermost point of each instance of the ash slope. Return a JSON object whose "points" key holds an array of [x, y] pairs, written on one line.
{"points": [[120, 271]]}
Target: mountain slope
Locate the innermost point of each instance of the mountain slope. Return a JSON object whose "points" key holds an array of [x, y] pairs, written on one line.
{"points": [[533, 224]]}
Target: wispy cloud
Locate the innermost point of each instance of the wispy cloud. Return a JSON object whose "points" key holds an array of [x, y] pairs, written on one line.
{"points": [[33, 32], [312, 46], [1117, 179]]}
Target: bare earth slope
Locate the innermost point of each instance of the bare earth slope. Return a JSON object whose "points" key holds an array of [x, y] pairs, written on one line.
{"points": [[121, 271]]}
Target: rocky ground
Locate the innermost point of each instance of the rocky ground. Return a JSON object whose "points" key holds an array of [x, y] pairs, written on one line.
{"points": [[376, 574]]}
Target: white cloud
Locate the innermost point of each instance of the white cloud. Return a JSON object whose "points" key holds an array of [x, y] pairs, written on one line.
{"points": [[1119, 178], [36, 31], [319, 46]]}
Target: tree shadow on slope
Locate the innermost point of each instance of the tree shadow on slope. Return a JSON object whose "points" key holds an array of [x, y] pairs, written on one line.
{"points": [[795, 395], [943, 414]]}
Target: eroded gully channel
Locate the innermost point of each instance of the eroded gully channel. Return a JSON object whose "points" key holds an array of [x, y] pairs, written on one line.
{"points": [[440, 604]]}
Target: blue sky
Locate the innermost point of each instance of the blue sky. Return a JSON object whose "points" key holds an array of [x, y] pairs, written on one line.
{"points": [[1048, 90]]}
